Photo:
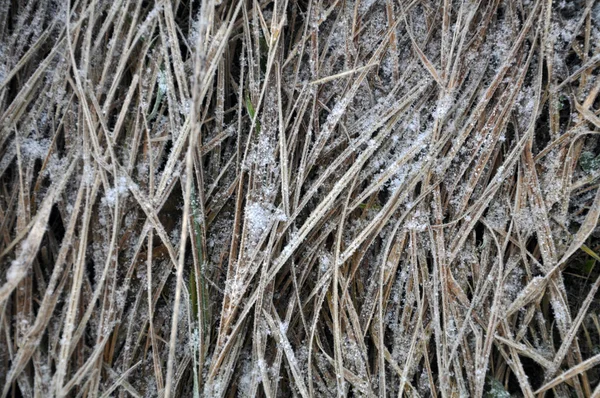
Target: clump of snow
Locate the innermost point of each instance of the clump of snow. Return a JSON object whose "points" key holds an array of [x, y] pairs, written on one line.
{"points": [[162, 82], [15, 272], [34, 148], [443, 106], [120, 189], [325, 261], [259, 217], [497, 215], [418, 222], [283, 328]]}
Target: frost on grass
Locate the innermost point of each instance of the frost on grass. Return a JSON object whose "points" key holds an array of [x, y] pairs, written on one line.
{"points": [[388, 186]]}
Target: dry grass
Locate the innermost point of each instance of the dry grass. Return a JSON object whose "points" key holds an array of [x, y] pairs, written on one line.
{"points": [[299, 198]]}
